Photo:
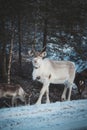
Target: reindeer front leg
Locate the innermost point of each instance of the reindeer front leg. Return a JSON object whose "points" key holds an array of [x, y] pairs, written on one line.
{"points": [[14, 101], [47, 95], [42, 92]]}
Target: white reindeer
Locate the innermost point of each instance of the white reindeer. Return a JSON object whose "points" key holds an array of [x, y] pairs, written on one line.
{"points": [[14, 91], [56, 72]]}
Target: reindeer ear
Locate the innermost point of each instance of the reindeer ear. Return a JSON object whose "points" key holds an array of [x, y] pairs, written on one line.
{"points": [[44, 54], [30, 53]]}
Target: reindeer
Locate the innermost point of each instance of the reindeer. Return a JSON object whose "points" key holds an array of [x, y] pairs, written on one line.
{"points": [[14, 91], [80, 80], [49, 71]]}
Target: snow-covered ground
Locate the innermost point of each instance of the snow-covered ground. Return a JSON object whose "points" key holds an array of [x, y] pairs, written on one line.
{"points": [[69, 115]]}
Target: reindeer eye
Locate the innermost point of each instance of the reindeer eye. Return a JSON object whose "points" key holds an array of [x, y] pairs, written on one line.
{"points": [[35, 61]]}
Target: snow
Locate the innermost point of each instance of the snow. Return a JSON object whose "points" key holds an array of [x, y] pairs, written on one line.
{"points": [[68, 115]]}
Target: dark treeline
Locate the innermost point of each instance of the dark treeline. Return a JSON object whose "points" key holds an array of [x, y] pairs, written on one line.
{"points": [[21, 21]]}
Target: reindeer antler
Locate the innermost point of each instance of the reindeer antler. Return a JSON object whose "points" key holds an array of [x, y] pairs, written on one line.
{"points": [[43, 49]]}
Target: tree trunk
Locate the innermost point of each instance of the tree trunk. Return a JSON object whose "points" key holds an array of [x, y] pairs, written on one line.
{"points": [[45, 26], [10, 51], [20, 43], [3, 39], [35, 31], [45, 35]]}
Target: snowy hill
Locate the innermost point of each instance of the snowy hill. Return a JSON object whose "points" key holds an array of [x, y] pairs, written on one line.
{"points": [[69, 115]]}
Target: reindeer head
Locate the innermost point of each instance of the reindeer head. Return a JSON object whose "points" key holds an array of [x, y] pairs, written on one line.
{"points": [[80, 82], [37, 57], [81, 86]]}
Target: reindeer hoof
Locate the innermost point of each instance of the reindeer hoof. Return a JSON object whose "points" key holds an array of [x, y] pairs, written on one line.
{"points": [[47, 101], [37, 103], [63, 99]]}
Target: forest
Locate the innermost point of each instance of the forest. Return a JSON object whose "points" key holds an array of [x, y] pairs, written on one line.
{"points": [[49, 24]]}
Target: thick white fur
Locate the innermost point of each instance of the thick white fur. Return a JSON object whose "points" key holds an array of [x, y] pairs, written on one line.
{"points": [[57, 72]]}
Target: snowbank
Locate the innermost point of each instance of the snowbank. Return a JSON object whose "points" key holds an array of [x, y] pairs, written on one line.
{"points": [[69, 115]]}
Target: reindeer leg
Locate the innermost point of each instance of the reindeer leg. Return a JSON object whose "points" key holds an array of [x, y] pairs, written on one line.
{"points": [[47, 95], [43, 90], [13, 101], [63, 97], [70, 90]]}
